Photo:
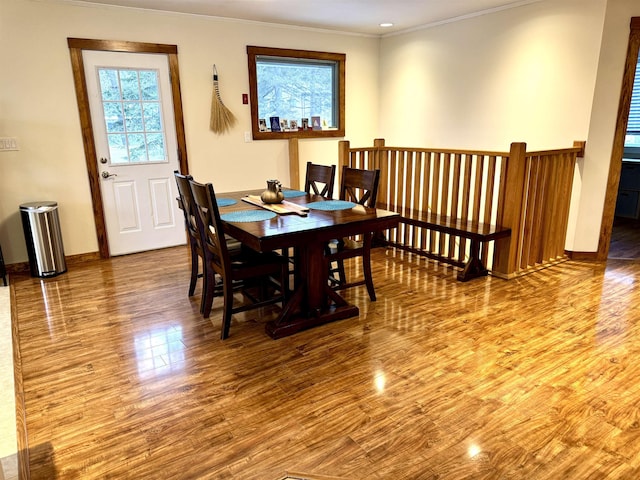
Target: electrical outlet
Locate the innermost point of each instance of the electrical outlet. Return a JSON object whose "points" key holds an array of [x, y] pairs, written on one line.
{"points": [[8, 144], [247, 137]]}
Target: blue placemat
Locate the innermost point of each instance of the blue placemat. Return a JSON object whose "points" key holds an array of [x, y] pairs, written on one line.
{"points": [[293, 193], [331, 205], [225, 202], [248, 216]]}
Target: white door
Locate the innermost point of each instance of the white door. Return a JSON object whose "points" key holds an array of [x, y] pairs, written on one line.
{"points": [[134, 133]]}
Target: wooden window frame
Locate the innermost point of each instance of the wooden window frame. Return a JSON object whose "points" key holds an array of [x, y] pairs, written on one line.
{"points": [[339, 58]]}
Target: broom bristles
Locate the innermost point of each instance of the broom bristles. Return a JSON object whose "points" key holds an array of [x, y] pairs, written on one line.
{"points": [[221, 117]]}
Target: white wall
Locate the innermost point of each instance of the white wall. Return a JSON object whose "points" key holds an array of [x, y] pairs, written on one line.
{"points": [[523, 74], [38, 104], [526, 74], [595, 169]]}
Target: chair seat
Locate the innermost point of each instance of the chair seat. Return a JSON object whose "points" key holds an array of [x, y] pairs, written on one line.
{"points": [[247, 258], [349, 244], [233, 245]]}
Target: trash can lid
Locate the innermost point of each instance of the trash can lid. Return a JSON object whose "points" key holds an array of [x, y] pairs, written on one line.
{"points": [[38, 205]]}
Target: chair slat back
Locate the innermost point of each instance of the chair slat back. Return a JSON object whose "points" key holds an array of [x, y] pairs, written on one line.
{"points": [[360, 186], [186, 198], [320, 179], [210, 226]]}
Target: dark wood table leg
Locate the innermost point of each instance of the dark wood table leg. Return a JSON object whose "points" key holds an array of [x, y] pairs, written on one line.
{"points": [[474, 267], [313, 302]]}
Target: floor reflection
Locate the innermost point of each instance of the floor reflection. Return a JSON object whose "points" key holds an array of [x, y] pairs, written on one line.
{"points": [[53, 305], [159, 351]]}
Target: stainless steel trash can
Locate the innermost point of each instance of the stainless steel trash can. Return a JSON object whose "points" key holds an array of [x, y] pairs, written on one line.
{"points": [[44, 240]]}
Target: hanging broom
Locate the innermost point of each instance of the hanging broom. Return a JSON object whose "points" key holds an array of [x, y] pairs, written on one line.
{"points": [[221, 117]]}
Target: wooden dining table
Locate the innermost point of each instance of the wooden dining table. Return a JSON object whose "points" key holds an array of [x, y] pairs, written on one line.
{"points": [[313, 301]]}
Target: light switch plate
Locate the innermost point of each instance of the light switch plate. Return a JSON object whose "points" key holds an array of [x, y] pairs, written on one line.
{"points": [[8, 144]]}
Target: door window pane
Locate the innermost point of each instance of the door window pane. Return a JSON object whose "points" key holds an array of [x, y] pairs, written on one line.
{"points": [[137, 148], [113, 117], [133, 115], [152, 121], [149, 85], [118, 148], [109, 84], [155, 147], [129, 83]]}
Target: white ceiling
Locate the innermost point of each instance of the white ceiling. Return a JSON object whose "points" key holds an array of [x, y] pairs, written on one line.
{"points": [[355, 16]]}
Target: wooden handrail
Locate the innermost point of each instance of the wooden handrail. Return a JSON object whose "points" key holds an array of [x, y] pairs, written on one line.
{"points": [[528, 192]]}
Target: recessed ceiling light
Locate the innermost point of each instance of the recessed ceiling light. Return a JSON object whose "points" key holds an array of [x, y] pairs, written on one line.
{"points": [[386, 25]]}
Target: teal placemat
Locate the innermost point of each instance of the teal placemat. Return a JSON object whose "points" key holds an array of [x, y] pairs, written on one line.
{"points": [[331, 205], [225, 202], [247, 216], [293, 193]]}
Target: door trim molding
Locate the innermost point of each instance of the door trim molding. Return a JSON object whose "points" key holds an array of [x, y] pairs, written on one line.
{"points": [[76, 46], [615, 165]]}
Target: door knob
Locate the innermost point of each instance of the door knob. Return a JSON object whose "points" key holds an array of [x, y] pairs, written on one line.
{"points": [[106, 174]]}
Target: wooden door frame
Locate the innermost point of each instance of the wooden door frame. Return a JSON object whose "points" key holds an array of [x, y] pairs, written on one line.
{"points": [[617, 151], [76, 47]]}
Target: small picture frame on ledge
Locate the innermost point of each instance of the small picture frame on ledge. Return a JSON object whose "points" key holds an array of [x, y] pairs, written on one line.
{"points": [[305, 124], [262, 125], [293, 125], [315, 123], [284, 125], [275, 124]]}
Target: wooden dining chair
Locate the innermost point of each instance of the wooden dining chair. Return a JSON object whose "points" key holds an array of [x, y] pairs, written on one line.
{"points": [[361, 187], [320, 179], [185, 200], [239, 268]]}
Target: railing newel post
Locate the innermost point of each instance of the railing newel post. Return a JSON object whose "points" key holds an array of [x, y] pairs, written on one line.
{"points": [[507, 250]]}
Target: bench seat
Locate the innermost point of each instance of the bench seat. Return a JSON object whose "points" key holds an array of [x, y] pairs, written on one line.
{"points": [[477, 233]]}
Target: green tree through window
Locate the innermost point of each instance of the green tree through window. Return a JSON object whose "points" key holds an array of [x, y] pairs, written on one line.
{"points": [[295, 92], [132, 115], [295, 86]]}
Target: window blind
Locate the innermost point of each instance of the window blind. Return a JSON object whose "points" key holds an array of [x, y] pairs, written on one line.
{"points": [[634, 113]]}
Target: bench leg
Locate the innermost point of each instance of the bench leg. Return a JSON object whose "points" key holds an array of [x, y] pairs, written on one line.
{"points": [[474, 267]]}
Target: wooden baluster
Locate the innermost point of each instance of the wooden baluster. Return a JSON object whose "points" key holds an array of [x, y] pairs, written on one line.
{"points": [[466, 194], [488, 214]]}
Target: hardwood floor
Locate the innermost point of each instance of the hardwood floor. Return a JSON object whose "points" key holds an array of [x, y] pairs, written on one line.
{"points": [[625, 239], [532, 378]]}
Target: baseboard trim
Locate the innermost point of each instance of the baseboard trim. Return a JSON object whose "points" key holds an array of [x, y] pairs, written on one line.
{"points": [[23, 267], [583, 256]]}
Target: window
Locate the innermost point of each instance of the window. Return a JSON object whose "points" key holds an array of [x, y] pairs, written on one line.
{"points": [[632, 139], [296, 93], [132, 115]]}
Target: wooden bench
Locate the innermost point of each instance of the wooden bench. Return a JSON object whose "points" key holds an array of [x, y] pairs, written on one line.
{"points": [[477, 233]]}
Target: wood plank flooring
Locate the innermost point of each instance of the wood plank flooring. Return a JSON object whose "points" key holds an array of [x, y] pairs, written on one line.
{"points": [[625, 239], [533, 378]]}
